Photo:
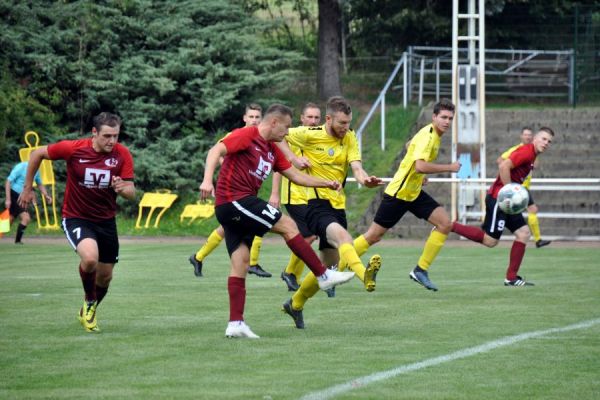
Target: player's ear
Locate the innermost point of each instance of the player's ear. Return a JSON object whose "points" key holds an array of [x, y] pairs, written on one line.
{"points": [[94, 131]]}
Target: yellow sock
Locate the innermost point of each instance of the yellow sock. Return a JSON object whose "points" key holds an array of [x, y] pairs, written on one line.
{"points": [[361, 246], [349, 258], [308, 288], [255, 250], [295, 266], [534, 225], [214, 239], [433, 245]]}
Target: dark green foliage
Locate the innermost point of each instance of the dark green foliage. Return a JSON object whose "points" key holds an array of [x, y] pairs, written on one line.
{"points": [[173, 70]]}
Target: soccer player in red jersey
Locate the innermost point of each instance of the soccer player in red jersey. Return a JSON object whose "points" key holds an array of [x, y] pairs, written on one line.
{"points": [[250, 155], [98, 169], [515, 168]]}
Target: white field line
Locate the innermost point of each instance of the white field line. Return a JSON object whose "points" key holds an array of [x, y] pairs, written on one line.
{"points": [[333, 391]]}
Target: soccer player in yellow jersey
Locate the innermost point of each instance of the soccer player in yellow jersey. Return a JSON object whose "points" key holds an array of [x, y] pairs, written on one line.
{"points": [[295, 199], [405, 193], [252, 117], [532, 208], [328, 151]]}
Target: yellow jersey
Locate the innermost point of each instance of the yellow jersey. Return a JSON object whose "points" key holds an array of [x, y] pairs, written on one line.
{"points": [[290, 192], [527, 182], [407, 182], [329, 156]]}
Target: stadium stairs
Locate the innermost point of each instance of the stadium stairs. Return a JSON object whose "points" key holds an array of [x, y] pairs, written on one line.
{"points": [[573, 154]]}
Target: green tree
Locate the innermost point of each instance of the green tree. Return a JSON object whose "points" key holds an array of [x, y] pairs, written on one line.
{"points": [[173, 70]]}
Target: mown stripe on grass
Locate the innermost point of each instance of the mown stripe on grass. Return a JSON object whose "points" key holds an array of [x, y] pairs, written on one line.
{"points": [[333, 391]]}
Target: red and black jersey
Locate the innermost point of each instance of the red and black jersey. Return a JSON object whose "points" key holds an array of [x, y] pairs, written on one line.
{"points": [[522, 159], [88, 194], [248, 162]]}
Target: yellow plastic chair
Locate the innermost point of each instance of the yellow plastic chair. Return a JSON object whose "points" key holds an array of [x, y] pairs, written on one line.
{"points": [[201, 210], [47, 175], [162, 198]]}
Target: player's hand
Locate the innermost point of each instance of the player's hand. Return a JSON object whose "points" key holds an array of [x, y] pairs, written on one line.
{"points": [[206, 190], [48, 198], [425, 181], [118, 184], [372, 181], [335, 185], [301, 162], [26, 197], [455, 166], [274, 200]]}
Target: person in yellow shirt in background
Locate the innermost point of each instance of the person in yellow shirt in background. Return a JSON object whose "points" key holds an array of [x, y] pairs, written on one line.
{"points": [[405, 193], [252, 117], [532, 208], [328, 151], [295, 200]]}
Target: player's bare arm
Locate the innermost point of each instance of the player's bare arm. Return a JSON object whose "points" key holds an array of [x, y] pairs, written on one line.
{"points": [[207, 188], [302, 179], [504, 171], [362, 177], [7, 201], [425, 167], [275, 199], [298, 162], [35, 159]]}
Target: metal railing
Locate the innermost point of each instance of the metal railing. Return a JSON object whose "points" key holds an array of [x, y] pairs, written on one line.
{"points": [[551, 72], [537, 184]]}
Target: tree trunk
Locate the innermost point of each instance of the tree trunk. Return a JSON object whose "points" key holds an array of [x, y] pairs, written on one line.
{"points": [[328, 74]]}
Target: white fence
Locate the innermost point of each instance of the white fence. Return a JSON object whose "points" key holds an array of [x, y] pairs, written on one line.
{"points": [[537, 184]]}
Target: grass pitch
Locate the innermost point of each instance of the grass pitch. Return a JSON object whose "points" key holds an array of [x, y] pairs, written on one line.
{"points": [[163, 328]]}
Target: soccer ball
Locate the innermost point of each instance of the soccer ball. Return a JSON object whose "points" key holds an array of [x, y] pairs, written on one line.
{"points": [[513, 198]]}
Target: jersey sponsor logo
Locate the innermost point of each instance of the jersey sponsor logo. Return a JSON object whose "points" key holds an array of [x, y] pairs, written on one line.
{"points": [[96, 178], [111, 162], [82, 161], [263, 170]]}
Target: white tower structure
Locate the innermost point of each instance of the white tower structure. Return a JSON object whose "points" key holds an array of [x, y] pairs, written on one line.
{"points": [[468, 94]]}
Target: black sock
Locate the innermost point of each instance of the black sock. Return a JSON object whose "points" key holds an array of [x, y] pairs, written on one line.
{"points": [[20, 231]]}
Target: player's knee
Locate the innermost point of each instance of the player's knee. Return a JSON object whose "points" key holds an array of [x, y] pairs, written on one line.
{"points": [[444, 227], [523, 234], [88, 263], [489, 241], [25, 218], [532, 209]]}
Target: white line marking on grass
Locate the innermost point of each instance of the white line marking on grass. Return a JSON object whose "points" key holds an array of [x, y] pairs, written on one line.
{"points": [[471, 351]]}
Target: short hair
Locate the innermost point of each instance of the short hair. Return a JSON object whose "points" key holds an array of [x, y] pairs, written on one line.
{"points": [[547, 130], [443, 104], [108, 119], [253, 106], [528, 128], [279, 109], [309, 105], [337, 104]]}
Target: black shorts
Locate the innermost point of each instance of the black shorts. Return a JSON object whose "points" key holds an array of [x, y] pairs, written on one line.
{"points": [[298, 214], [245, 218], [530, 202], [392, 209], [495, 220], [103, 232], [15, 210], [319, 215]]}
